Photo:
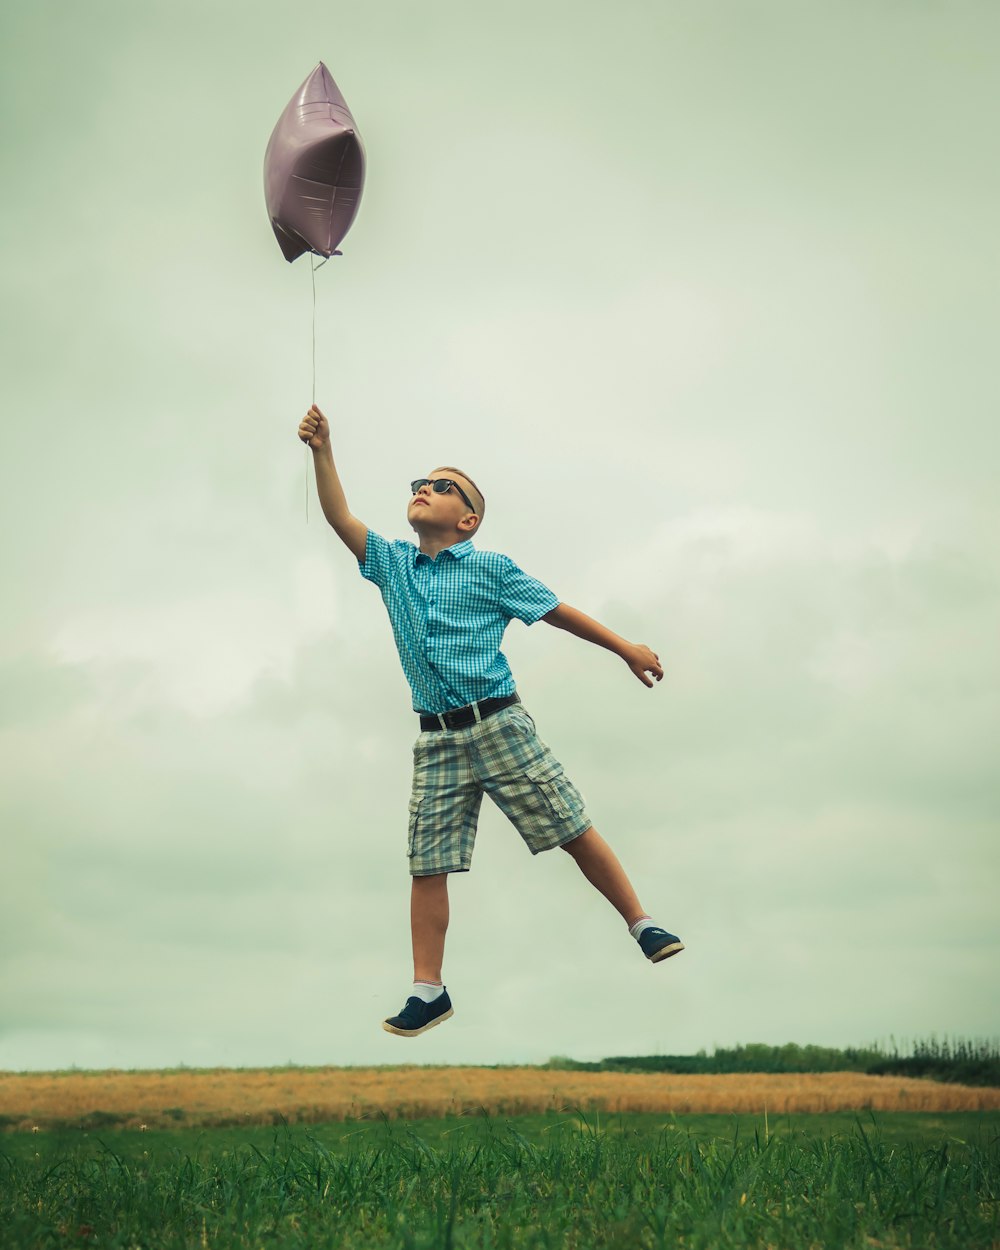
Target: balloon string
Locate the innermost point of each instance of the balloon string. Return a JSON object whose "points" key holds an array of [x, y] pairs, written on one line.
{"points": [[312, 259], [313, 268]]}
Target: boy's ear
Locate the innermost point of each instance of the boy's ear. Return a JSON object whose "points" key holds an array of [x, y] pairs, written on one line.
{"points": [[469, 522]]}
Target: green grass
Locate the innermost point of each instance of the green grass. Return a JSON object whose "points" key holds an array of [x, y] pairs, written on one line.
{"points": [[704, 1182]]}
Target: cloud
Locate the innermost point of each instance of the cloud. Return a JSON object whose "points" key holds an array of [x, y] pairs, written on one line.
{"points": [[205, 652]]}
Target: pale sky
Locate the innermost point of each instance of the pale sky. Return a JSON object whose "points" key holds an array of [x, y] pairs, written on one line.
{"points": [[704, 296]]}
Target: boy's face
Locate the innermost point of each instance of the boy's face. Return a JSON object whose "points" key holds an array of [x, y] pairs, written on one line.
{"points": [[429, 512]]}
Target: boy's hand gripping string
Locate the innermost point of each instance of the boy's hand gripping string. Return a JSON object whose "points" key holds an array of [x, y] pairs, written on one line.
{"points": [[314, 429]]}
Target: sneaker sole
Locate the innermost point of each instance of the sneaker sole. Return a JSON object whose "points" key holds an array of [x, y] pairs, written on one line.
{"points": [[665, 952], [391, 1028]]}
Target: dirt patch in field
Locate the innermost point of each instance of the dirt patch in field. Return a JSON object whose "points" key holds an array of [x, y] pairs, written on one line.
{"points": [[263, 1096]]}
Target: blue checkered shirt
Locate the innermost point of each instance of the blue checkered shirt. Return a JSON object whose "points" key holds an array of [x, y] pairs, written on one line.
{"points": [[448, 617]]}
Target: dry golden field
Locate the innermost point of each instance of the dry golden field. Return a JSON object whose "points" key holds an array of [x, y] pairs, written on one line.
{"points": [[201, 1098]]}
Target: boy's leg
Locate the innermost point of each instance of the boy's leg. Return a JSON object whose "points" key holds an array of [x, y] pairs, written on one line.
{"points": [[428, 925], [429, 1004], [525, 780], [600, 865]]}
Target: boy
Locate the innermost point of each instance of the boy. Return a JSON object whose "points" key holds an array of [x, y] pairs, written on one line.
{"points": [[449, 605]]}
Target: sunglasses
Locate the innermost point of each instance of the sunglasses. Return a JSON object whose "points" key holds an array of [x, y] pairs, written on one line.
{"points": [[441, 486]]}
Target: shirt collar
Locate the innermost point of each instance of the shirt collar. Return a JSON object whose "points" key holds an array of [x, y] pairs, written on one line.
{"points": [[458, 551]]}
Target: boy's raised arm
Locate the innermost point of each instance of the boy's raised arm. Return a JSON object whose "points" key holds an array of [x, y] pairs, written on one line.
{"points": [[640, 659], [314, 430]]}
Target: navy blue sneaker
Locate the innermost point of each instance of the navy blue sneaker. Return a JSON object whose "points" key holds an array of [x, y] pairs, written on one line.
{"points": [[418, 1016], [658, 944]]}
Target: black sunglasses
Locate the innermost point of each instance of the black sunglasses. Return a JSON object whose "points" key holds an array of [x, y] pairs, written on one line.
{"points": [[441, 486]]}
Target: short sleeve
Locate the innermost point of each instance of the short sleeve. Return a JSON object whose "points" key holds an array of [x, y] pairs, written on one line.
{"points": [[377, 563], [522, 596]]}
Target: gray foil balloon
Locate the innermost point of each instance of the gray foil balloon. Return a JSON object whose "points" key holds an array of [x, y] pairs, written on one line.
{"points": [[314, 169]]}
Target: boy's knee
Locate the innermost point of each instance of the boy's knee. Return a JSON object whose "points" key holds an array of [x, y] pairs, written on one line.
{"points": [[574, 845]]}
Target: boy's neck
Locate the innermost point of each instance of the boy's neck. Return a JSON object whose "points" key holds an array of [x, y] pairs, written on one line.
{"points": [[431, 546]]}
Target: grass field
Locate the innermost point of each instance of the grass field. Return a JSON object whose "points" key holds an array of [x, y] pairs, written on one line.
{"points": [[213, 1098], [571, 1181]]}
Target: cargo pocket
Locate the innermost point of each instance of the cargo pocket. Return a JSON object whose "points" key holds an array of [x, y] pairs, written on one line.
{"points": [[523, 719], [413, 825], [550, 782]]}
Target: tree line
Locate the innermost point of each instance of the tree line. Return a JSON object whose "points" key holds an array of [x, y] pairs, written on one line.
{"points": [[960, 1060]]}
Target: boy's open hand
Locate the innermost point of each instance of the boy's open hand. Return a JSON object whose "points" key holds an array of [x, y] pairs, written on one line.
{"points": [[314, 429], [641, 661]]}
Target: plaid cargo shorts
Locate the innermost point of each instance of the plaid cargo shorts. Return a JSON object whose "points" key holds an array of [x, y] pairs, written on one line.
{"points": [[503, 757]]}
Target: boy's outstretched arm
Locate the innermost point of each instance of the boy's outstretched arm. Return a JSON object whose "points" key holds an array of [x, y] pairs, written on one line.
{"points": [[314, 430], [640, 659]]}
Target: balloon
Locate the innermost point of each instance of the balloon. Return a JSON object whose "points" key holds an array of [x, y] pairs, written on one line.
{"points": [[314, 169]]}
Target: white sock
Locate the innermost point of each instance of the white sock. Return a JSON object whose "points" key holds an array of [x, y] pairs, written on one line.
{"points": [[429, 991], [641, 925]]}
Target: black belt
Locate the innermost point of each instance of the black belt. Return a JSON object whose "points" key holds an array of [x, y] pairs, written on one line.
{"points": [[460, 717]]}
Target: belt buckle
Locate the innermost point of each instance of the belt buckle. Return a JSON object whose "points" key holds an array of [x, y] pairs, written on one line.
{"points": [[458, 717]]}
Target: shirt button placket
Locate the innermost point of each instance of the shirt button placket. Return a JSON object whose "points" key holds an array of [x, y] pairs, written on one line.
{"points": [[430, 617]]}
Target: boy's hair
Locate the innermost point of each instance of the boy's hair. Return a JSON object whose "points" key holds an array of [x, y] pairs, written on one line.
{"points": [[475, 493]]}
